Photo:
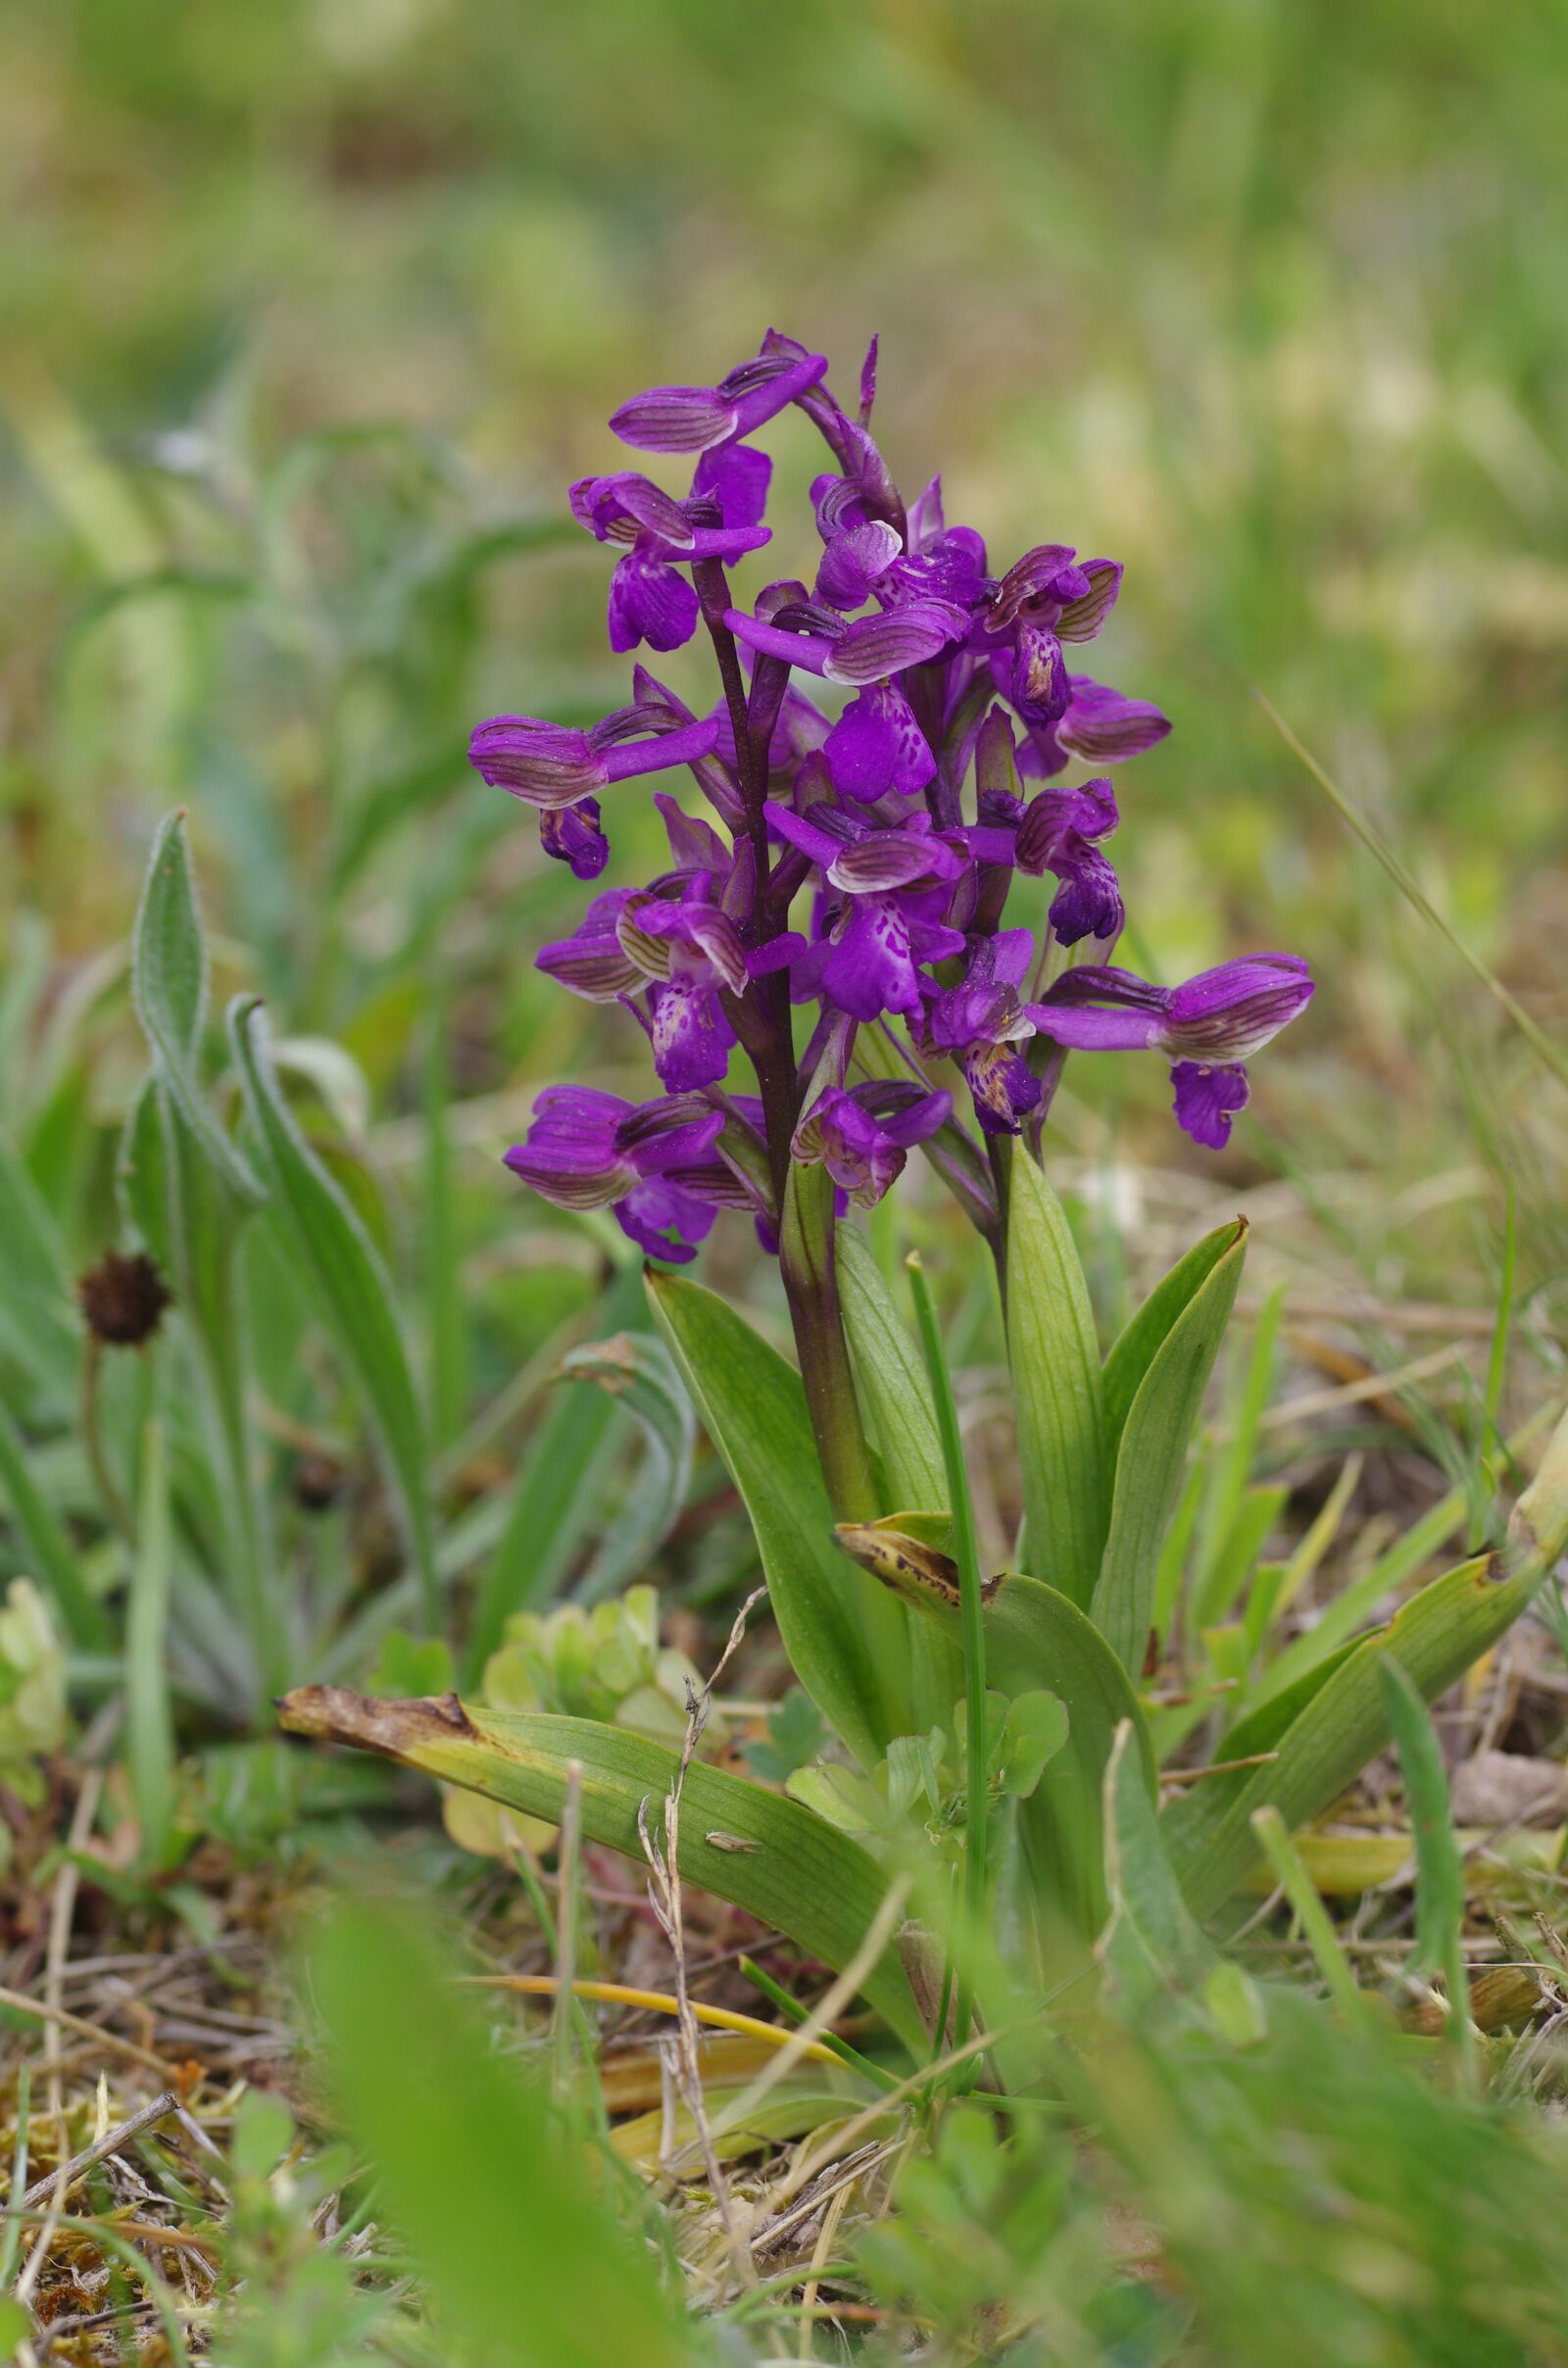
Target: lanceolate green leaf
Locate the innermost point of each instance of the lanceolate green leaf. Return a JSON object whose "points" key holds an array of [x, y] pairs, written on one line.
{"points": [[1055, 1387], [346, 1283], [1153, 1442], [1343, 1722], [896, 1393], [36, 1319], [169, 976], [1152, 1941], [636, 1371], [891, 1377], [847, 1638], [1147, 1332], [793, 1870]]}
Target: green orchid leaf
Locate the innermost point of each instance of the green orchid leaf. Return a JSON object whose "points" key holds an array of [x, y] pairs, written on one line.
{"points": [[169, 982], [1146, 1333], [637, 1371], [1154, 1431], [894, 1391], [1153, 1940], [1055, 1386], [847, 1638], [347, 1286], [39, 1324], [1343, 1719], [754, 1848], [890, 1376]]}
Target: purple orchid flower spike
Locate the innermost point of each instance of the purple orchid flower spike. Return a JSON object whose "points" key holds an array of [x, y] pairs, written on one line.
{"points": [[587, 1150], [1206, 1028], [862, 1137], [856, 856]]}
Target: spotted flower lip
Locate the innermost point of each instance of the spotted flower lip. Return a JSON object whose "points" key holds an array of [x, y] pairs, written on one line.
{"points": [[862, 1136], [1073, 597], [552, 764], [694, 419]]}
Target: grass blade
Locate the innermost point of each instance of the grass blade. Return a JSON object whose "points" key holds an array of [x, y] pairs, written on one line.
{"points": [[1539, 1042], [967, 1552], [502, 2215], [149, 1719], [1343, 1722], [346, 1284], [1440, 1889]]}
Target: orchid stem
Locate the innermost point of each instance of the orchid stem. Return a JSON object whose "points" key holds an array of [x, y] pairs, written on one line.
{"points": [[966, 1554]]}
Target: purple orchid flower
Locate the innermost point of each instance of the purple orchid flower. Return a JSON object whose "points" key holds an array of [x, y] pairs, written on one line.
{"points": [[649, 600], [1206, 1028], [553, 764], [1055, 832], [587, 1150], [982, 1021], [1099, 725], [896, 885], [694, 419], [862, 1137], [866, 651]]}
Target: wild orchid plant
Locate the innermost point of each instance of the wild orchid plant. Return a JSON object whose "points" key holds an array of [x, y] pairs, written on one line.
{"points": [[860, 864]]}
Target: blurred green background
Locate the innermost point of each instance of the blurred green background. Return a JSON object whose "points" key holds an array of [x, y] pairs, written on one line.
{"points": [[1264, 298]]}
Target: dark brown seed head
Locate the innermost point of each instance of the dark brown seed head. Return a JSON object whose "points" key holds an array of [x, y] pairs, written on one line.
{"points": [[123, 1299], [317, 1481]]}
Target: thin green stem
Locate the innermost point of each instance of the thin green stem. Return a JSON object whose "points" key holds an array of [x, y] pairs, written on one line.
{"points": [[966, 1554], [791, 2007]]}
